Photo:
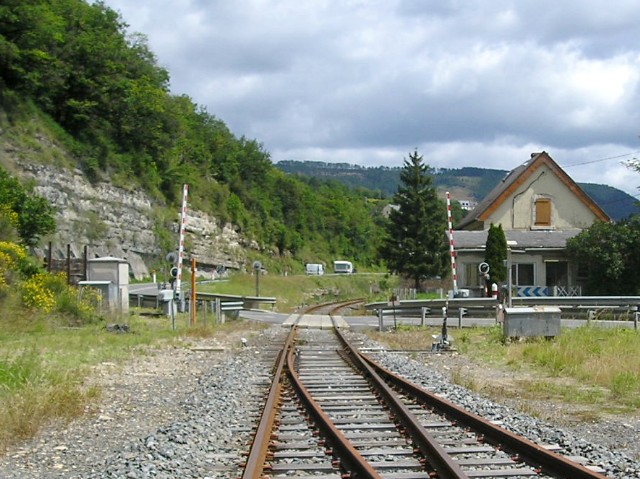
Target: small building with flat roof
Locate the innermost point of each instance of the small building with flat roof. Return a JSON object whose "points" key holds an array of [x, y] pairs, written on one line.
{"points": [[111, 277]]}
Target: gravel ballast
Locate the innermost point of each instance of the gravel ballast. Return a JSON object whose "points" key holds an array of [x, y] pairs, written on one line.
{"points": [[187, 412]]}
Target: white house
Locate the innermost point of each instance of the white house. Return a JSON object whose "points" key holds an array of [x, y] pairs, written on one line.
{"points": [[539, 207]]}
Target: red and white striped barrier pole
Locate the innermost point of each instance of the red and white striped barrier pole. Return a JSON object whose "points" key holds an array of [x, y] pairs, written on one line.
{"points": [[183, 224], [451, 248]]}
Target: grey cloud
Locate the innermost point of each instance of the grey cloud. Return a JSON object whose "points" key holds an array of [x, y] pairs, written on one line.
{"points": [[369, 81]]}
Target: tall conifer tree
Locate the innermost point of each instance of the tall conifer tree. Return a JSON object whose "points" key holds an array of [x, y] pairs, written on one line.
{"points": [[415, 242], [495, 253]]}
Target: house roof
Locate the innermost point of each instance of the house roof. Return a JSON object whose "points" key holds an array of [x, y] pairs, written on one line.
{"points": [[515, 178], [544, 239]]}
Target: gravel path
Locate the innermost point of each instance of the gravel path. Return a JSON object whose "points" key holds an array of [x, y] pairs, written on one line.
{"points": [[186, 412]]}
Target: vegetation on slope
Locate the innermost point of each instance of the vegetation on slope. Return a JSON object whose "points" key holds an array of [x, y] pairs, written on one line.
{"points": [[74, 67]]}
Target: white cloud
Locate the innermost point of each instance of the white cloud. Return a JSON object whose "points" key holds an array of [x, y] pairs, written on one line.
{"points": [[475, 83]]}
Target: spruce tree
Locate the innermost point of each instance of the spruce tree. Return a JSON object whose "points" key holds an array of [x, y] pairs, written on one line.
{"points": [[415, 241], [495, 253]]}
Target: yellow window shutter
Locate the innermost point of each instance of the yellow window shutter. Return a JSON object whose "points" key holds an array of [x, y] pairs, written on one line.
{"points": [[543, 212]]}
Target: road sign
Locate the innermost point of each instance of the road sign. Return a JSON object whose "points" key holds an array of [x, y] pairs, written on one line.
{"points": [[532, 291]]}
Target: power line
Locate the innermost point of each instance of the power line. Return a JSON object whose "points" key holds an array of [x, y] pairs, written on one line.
{"points": [[601, 159]]}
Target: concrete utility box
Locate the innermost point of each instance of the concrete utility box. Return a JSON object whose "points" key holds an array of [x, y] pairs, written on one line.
{"points": [[532, 322], [169, 305], [112, 275]]}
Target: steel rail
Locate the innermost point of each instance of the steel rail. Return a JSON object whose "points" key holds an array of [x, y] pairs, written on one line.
{"points": [[437, 458], [260, 446], [259, 450], [344, 304], [529, 452], [351, 460]]}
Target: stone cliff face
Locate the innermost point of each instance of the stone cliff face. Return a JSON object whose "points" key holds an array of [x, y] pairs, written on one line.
{"points": [[113, 221]]}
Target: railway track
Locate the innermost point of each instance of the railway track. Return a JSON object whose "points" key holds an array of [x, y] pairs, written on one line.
{"points": [[334, 413]]}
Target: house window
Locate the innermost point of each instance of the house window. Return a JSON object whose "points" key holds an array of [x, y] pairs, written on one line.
{"points": [[522, 274], [471, 275], [557, 273], [542, 212]]}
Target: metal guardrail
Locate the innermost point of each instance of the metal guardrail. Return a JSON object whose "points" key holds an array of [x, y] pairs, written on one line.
{"points": [[144, 300], [230, 301], [248, 302], [571, 305], [231, 305], [415, 307]]}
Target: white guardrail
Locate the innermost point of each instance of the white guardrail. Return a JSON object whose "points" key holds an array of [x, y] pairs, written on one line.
{"points": [[228, 302], [589, 306]]}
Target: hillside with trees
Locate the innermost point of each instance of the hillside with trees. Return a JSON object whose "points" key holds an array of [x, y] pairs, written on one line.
{"points": [[467, 183], [72, 69]]}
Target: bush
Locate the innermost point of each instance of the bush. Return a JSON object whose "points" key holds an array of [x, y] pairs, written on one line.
{"points": [[50, 293], [36, 293]]}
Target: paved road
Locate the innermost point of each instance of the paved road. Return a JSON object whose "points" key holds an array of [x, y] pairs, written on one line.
{"points": [[144, 288]]}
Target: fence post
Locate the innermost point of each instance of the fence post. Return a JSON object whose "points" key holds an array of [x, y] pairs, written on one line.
{"points": [[219, 311]]}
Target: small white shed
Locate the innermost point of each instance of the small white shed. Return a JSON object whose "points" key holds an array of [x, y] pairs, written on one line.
{"points": [[111, 276]]}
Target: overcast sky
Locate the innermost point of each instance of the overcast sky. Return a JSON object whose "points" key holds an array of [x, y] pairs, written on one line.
{"points": [[469, 83]]}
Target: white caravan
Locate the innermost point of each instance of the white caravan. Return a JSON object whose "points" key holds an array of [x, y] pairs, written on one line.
{"points": [[314, 268], [342, 267]]}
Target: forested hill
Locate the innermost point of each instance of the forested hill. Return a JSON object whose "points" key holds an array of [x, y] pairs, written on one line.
{"points": [[80, 91], [463, 183]]}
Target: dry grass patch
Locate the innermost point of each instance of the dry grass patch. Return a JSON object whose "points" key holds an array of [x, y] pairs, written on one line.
{"points": [[44, 369], [595, 370]]}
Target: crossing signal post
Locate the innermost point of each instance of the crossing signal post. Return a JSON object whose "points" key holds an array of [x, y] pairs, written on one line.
{"points": [[483, 269], [257, 266], [173, 274]]}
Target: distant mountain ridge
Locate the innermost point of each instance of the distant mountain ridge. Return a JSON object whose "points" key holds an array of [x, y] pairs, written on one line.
{"points": [[466, 183]]}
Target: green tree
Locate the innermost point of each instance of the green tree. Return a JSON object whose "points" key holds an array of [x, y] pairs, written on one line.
{"points": [[32, 214], [75, 61], [495, 253], [609, 254], [415, 242]]}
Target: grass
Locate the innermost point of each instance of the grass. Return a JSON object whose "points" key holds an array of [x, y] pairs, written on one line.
{"points": [[45, 364], [591, 367], [296, 291]]}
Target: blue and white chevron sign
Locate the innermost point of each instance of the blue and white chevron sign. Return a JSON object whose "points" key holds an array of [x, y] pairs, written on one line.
{"points": [[532, 291]]}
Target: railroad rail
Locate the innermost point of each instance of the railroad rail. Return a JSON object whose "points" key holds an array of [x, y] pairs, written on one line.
{"points": [[332, 412]]}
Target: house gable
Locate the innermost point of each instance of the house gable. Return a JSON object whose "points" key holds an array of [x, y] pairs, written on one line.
{"points": [[536, 195]]}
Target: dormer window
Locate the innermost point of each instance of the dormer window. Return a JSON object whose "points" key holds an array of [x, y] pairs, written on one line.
{"points": [[542, 213]]}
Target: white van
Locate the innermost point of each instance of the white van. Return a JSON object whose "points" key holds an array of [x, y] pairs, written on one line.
{"points": [[342, 267], [314, 268]]}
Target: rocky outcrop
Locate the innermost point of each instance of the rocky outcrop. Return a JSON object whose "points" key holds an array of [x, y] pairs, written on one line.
{"points": [[113, 221]]}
